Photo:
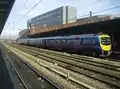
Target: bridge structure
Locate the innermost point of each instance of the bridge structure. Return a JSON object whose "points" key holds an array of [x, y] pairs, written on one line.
{"points": [[111, 27]]}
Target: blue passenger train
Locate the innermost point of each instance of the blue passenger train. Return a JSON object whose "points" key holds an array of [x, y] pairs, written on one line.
{"points": [[93, 44]]}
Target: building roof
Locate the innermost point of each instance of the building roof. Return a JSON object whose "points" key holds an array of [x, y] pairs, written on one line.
{"points": [[5, 8]]}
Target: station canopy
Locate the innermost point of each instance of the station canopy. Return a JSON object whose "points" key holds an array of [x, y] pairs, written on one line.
{"points": [[5, 8]]}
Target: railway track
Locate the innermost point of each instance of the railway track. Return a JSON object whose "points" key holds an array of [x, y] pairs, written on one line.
{"points": [[17, 73], [100, 70], [17, 61], [79, 58]]}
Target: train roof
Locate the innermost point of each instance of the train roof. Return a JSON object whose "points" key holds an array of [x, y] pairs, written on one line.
{"points": [[75, 36], [71, 36]]}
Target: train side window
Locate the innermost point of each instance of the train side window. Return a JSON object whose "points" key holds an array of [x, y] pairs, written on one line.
{"points": [[87, 41], [69, 41], [49, 41], [58, 41], [63, 41]]}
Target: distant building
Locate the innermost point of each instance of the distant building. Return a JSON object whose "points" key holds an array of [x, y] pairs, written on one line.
{"points": [[97, 18], [23, 33], [62, 15], [115, 16]]}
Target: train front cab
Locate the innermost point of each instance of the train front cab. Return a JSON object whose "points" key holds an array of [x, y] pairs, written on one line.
{"points": [[105, 44]]}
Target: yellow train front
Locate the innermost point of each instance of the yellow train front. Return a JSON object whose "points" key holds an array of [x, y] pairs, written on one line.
{"points": [[105, 45]]}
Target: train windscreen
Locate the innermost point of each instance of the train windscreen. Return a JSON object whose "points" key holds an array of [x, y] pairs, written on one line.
{"points": [[105, 40]]}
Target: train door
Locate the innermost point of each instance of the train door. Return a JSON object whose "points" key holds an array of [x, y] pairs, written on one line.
{"points": [[45, 43], [77, 43], [48, 43], [63, 43], [28, 42], [70, 44], [42, 43], [58, 46]]}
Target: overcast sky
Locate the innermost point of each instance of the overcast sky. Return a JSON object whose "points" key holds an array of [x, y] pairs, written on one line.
{"points": [[23, 6]]}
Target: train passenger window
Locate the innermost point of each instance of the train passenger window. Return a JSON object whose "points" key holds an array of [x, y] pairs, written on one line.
{"points": [[87, 41], [62, 41], [77, 41], [69, 41], [49, 41], [58, 41]]}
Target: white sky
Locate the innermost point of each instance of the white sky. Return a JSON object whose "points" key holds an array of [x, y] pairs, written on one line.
{"points": [[23, 6]]}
